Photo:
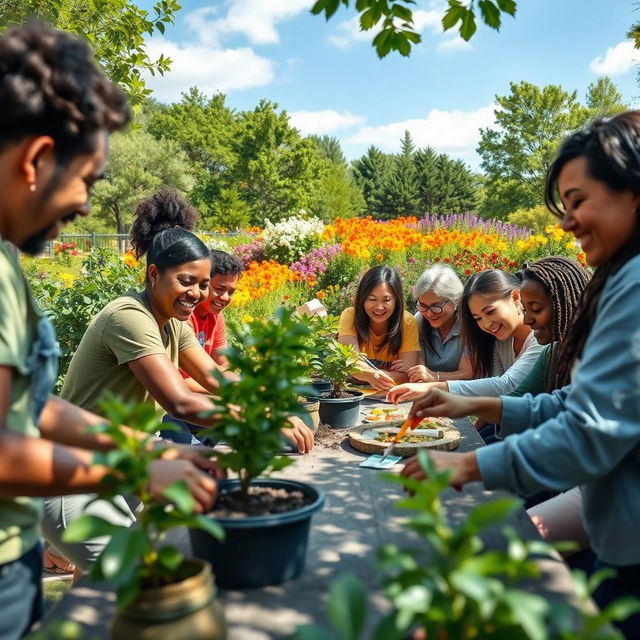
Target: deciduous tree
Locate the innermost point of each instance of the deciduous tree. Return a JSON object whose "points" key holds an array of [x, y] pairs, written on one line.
{"points": [[138, 165], [116, 30]]}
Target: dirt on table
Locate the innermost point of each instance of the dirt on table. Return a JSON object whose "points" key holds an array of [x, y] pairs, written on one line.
{"points": [[262, 501], [325, 436]]}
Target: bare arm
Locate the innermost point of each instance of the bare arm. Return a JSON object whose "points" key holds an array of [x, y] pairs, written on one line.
{"points": [[463, 372], [165, 384], [196, 362], [36, 467]]}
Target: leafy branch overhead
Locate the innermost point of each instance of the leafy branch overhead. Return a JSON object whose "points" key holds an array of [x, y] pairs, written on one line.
{"points": [[116, 30], [395, 20]]}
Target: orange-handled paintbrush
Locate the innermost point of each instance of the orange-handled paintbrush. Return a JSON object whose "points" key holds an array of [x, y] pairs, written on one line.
{"points": [[409, 423]]}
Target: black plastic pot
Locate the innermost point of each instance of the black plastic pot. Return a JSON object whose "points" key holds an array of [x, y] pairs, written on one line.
{"points": [[341, 413], [321, 385], [259, 550]]}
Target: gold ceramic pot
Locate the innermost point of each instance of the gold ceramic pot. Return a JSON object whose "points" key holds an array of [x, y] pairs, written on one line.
{"points": [[185, 609]]}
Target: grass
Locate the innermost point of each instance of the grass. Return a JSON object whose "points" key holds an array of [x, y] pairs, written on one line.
{"points": [[53, 590]]}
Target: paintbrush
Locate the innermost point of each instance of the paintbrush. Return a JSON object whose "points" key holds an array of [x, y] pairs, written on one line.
{"points": [[409, 423]]}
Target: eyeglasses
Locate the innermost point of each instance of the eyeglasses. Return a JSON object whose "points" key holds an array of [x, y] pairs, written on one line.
{"points": [[434, 308]]}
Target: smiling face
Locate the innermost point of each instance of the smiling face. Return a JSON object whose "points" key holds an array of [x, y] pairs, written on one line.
{"points": [[499, 317], [602, 220], [221, 290], [175, 292], [436, 320], [380, 304], [538, 310], [47, 195]]}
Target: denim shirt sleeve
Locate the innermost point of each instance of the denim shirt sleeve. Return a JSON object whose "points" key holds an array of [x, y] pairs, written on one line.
{"points": [[529, 411], [589, 427]]}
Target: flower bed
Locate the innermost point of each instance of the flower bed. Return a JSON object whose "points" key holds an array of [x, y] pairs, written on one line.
{"points": [[332, 270]]}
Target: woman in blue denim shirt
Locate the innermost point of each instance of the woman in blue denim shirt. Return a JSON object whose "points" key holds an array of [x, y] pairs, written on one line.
{"points": [[588, 433]]}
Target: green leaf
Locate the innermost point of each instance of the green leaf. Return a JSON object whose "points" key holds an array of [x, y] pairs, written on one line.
{"points": [[454, 14], [621, 609], [490, 513], [209, 525], [368, 20], [179, 494], [87, 527], [490, 13], [507, 6], [123, 551], [347, 607], [468, 26], [280, 463], [529, 610], [169, 558]]}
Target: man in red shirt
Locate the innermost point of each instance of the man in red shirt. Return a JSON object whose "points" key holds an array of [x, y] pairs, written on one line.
{"points": [[206, 320]]}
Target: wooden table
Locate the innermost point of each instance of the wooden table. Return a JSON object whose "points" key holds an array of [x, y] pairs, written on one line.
{"points": [[358, 517]]}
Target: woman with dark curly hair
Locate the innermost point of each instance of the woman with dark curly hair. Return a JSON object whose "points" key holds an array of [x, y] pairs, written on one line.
{"points": [[56, 113], [137, 344]]}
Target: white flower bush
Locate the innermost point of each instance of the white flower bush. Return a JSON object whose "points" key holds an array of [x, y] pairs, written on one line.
{"points": [[290, 239], [214, 242]]}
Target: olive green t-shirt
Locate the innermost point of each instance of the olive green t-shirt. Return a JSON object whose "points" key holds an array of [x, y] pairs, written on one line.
{"points": [[125, 330], [19, 317]]}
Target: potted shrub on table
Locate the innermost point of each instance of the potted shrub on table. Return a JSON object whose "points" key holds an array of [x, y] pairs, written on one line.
{"points": [[323, 330], [266, 520], [160, 594], [340, 407]]}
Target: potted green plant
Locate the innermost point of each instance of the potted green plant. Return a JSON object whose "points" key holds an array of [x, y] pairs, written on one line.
{"points": [[160, 594], [321, 330], [454, 589], [266, 519], [340, 407]]}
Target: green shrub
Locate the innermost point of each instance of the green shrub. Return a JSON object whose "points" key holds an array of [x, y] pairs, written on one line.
{"points": [[104, 276], [537, 218]]}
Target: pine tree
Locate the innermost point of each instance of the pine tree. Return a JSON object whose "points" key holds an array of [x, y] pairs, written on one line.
{"points": [[370, 173], [400, 192]]}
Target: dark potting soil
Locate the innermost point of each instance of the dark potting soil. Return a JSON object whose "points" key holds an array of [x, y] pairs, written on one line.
{"points": [[338, 394], [325, 436], [263, 501]]}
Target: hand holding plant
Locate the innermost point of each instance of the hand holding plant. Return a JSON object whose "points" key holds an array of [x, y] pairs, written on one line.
{"points": [[170, 490]]}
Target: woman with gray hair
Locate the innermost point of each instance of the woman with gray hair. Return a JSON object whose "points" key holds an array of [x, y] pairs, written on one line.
{"points": [[437, 293]]}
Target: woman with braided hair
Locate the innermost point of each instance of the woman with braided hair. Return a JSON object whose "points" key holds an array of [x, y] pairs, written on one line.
{"points": [[586, 434], [57, 111], [550, 292]]}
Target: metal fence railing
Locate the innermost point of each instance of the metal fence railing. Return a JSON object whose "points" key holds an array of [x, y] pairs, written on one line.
{"points": [[114, 241]]}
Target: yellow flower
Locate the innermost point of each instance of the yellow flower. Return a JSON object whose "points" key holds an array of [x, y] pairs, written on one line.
{"points": [[247, 318]]}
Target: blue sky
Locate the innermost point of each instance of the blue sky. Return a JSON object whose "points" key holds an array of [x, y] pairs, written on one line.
{"points": [[327, 77]]}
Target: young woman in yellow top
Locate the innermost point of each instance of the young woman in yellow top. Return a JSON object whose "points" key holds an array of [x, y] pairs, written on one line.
{"points": [[380, 328]]}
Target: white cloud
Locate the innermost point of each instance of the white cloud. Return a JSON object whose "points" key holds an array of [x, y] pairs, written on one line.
{"points": [[348, 32], [454, 132], [453, 44], [255, 19], [206, 67], [617, 60], [323, 122]]}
